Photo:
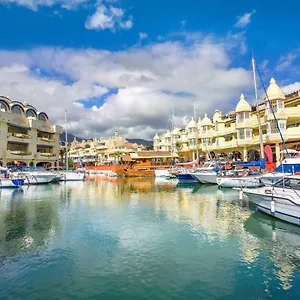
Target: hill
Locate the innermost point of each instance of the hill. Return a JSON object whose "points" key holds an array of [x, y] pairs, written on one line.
{"points": [[71, 138]]}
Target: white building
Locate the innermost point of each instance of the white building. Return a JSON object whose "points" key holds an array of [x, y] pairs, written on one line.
{"points": [[26, 135]]}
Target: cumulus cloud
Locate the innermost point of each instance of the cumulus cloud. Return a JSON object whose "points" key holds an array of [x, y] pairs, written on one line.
{"points": [[245, 19], [131, 90], [143, 35], [286, 61], [108, 18], [35, 4]]}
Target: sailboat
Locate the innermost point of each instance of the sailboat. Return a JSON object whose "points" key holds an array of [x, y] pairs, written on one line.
{"points": [[240, 179], [67, 175]]}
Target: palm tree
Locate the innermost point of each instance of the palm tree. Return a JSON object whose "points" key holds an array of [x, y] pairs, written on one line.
{"points": [[117, 155], [178, 146]]}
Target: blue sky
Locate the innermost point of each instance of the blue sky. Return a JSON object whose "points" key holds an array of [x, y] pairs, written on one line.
{"points": [[117, 65]]}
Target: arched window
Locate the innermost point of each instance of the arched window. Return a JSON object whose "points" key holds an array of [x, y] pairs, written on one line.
{"points": [[3, 106], [30, 113], [17, 110], [42, 117]]}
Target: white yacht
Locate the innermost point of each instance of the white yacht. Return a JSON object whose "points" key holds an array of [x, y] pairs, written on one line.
{"points": [[36, 177], [72, 176], [281, 200], [207, 173]]}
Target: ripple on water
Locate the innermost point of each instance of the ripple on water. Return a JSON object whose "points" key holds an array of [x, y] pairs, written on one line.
{"points": [[134, 239]]}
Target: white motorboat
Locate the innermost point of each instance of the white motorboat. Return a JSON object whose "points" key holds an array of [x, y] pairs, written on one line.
{"points": [[73, 176], [207, 173], [161, 173], [11, 183], [36, 177], [238, 182], [281, 200]]}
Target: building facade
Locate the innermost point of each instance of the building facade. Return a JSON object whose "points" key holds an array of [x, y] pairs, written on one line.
{"points": [[26, 135], [95, 152], [236, 134]]}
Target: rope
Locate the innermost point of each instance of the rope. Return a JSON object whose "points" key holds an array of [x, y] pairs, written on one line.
{"points": [[273, 113]]}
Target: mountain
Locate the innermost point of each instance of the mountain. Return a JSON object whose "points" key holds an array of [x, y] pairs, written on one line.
{"points": [[71, 138], [140, 142]]}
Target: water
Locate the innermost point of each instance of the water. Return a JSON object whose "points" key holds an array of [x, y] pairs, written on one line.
{"points": [[141, 239]]}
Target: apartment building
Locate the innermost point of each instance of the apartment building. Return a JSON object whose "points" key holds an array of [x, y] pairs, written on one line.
{"points": [[103, 150], [26, 135], [236, 134]]}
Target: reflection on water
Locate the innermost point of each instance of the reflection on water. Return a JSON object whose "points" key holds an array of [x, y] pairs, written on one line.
{"points": [[144, 238]]}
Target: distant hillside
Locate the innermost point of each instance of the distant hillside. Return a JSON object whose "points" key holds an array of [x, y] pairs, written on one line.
{"points": [[140, 142], [71, 138]]}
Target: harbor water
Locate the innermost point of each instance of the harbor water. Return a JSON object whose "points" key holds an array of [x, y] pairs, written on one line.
{"points": [[110, 238]]}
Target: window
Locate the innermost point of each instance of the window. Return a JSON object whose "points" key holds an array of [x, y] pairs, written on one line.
{"points": [[242, 117], [16, 110], [280, 105], [272, 127], [30, 113], [248, 133], [3, 106], [217, 125], [241, 134], [42, 117]]}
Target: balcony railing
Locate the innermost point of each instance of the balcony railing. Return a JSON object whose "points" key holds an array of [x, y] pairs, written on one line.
{"points": [[19, 135], [47, 154], [45, 139], [21, 153]]}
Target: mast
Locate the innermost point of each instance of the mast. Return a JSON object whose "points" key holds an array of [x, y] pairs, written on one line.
{"points": [[172, 128], [66, 141], [195, 118], [261, 143]]}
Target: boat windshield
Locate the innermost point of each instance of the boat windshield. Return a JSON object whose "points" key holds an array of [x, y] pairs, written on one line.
{"points": [[289, 183]]}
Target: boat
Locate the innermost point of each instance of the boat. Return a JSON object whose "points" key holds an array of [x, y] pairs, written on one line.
{"points": [[161, 173], [185, 176], [281, 200], [207, 173], [11, 183], [67, 175], [36, 177]]}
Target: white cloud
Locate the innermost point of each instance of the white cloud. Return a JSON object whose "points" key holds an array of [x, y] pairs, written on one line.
{"points": [[143, 35], [35, 4], [144, 80], [108, 18], [285, 61], [291, 88], [244, 20]]}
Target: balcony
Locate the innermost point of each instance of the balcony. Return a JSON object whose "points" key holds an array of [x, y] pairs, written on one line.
{"points": [[46, 156], [245, 123], [280, 115], [46, 141], [18, 155], [18, 137]]}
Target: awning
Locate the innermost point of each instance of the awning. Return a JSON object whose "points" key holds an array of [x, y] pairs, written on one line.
{"points": [[45, 131], [19, 126]]}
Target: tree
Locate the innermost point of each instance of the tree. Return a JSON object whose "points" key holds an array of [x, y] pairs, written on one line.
{"points": [[117, 155], [149, 147], [178, 146]]}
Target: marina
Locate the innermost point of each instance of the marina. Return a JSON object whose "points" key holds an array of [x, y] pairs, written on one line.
{"points": [[147, 238]]}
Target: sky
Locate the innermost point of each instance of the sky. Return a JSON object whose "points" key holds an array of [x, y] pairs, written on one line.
{"points": [[122, 64]]}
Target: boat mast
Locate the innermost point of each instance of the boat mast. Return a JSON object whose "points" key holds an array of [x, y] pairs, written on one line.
{"points": [[195, 117], [66, 142], [261, 143], [172, 128]]}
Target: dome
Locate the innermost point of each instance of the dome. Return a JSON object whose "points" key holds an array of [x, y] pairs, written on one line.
{"points": [[217, 115], [176, 131], [206, 121], [242, 105], [199, 123], [274, 92], [156, 137], [192, 124], [168, 134]]}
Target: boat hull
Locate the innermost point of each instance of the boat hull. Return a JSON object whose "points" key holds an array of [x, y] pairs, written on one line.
{"points": [[72, 176], [11, 183], [238, 182], [209, 177], [36, 178], [161, 173], [186, 178], [274, 205]]}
